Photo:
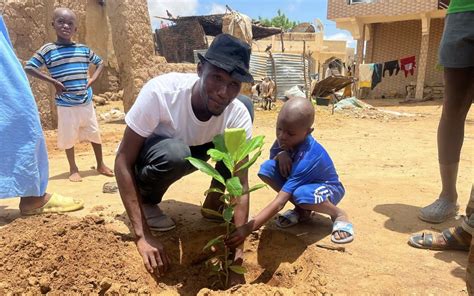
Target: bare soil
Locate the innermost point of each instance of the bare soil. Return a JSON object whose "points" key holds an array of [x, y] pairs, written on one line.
{"points": [[388, 165]]}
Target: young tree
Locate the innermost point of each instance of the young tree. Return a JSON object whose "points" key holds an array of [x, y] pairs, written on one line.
{"points": [[279, 21]]}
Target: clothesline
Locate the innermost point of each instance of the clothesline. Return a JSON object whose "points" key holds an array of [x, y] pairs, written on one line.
{"points": [[371, 74]]}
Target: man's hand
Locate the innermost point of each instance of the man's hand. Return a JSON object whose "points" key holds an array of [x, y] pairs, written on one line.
{"points": [[237, 237], [59, 87], [284, 163], [153, 255]]}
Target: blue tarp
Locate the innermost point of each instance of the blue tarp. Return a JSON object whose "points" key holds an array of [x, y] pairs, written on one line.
{"points": [[24, 163]]}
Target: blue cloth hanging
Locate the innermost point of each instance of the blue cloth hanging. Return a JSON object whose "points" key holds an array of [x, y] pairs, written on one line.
{"points": [[24, 163]]}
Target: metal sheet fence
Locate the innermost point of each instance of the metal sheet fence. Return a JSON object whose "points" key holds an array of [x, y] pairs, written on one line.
{"points": [[289, 69]]}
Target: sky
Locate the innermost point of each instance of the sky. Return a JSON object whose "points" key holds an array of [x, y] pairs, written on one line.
{"points": [[295, 10]]}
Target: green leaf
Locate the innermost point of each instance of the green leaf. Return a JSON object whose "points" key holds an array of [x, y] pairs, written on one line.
{"points": [[233, 139], [225, 198], [215, 154], [206, 168], [234, 187], [211, 212], [210, 190], [249, 146], [219, 143], [213, 242], [250, 162], [256, 187], [238, 269], [228, 214]]}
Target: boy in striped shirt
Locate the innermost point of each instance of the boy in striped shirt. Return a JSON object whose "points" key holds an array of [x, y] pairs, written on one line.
{"points": [[68, 65]]}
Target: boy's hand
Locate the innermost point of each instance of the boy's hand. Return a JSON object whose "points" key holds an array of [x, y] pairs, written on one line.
{"points": [[59, 87], [284, 163], [153, 255], [237, 237], [89, 83]]}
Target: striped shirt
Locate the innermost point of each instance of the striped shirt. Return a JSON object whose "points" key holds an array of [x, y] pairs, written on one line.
{"points": [[69, 64]]}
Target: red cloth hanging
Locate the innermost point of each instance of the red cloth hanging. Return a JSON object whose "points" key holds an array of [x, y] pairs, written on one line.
{"points": [[408, 65]]}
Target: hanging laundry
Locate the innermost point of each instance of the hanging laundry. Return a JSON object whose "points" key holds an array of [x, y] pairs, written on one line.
{"points": [[408, 65], [376, 75], [365, 75], [391, 66]]}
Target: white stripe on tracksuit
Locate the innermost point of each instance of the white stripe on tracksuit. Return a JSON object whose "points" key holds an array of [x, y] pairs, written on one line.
{"points": [[321, 193]]}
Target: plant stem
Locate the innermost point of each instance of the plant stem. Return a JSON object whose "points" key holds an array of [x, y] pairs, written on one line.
{"points": [[226, 256]]}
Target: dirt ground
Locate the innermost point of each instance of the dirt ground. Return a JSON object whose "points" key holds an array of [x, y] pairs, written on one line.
{"points": [[387, 164]]}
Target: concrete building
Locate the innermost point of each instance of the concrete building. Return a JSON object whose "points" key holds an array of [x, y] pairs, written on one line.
{"points": [[387, 30]]}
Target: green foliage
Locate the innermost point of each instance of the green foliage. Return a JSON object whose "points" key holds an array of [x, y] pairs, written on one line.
{"points": [[231, 148], [279, 21]]}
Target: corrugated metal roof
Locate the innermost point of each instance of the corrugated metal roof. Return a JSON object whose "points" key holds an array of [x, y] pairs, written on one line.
{"points": [[288, 67], [289, 70]]}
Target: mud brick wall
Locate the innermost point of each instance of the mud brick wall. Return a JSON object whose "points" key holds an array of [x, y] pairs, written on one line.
{"points": [[341, 8], [176, 43], [389, 42], [29, 26]]}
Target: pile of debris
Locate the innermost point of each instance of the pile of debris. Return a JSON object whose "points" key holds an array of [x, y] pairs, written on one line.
{"points": [[105, 98], [114, 114], [356, 108]]}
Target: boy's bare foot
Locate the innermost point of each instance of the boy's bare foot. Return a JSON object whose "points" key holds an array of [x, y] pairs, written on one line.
{"points": [[75, 177], [104, 170]]}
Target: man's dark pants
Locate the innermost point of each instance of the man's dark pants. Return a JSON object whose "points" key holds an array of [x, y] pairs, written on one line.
{"points": [[162, 162]]}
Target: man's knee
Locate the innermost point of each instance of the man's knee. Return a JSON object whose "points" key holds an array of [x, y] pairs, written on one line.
{"points": [[164, 158]]}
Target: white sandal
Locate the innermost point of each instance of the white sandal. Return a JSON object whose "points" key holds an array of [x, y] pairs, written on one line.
{"points": [[439, 211]]}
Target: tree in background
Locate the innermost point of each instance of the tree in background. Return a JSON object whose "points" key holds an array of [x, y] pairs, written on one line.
{"points": [[279, 21]]}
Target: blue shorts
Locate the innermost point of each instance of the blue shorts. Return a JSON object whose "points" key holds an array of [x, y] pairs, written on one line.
{"points": [[312, 193]]}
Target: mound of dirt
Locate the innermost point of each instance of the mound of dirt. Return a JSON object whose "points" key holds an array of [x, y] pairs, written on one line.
{"points": [[56, 254]]}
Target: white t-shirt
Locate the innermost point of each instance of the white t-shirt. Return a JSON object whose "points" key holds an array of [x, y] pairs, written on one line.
{"points": [[163, 107]]}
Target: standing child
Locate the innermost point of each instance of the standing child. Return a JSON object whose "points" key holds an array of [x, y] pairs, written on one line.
{"points": [[68, 64], [302, 172]]}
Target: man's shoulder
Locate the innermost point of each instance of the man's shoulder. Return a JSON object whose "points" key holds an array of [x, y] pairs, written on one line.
{"points": [[173, 81]]}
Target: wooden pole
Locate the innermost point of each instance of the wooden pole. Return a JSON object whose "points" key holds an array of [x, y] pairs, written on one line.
{"points": [[304, 70], [281, 39], [273, 73]]}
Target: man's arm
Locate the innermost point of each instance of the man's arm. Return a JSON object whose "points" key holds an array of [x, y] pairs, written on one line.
{"points": [[148, 246], [98, 70], [38, 74]]}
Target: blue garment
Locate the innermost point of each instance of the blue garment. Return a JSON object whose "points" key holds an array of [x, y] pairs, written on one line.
{"points": [[313, 178], [69, 64], [24, 164]]}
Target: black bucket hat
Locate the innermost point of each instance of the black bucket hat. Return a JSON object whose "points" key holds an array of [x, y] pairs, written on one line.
{"points": [[231, 55]]}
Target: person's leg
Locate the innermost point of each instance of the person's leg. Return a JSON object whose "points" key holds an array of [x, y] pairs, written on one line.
{"points": [[28, 203], [101, 167], [68, 134], [161, 162], [90, 131], [459, 93], [74, 175]]}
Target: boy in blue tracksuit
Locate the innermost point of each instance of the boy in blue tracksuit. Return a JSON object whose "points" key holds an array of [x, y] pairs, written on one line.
{"points": [[302, 172]]}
